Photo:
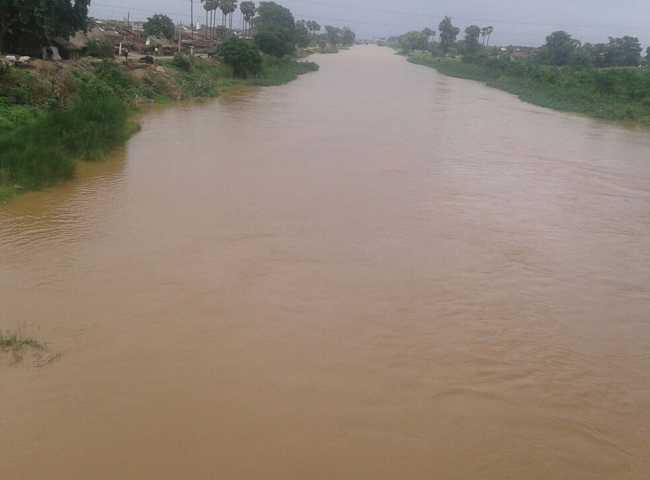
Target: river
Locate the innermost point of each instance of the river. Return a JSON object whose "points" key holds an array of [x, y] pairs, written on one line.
{"points": [[374, 272]]}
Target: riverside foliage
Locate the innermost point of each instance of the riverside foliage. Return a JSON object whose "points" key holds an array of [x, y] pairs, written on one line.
{"points": [[43, 136], [605, 81]]}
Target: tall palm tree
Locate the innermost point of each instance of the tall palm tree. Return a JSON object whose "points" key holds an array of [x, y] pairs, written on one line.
{"points": [[228, 7], [486, 33], [206, 8], [248, 10], [210, 7]]}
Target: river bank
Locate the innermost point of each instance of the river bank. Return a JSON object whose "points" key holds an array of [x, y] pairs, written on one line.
{"points": [[621, 95], [54, 115]]}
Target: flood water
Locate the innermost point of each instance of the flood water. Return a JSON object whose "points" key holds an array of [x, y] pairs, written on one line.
{"points": [[375, 272]]}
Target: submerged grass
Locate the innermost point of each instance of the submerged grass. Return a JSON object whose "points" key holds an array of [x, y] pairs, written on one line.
{"points": [[42, 138], [16, 341], [281, 71], [617, 95]]}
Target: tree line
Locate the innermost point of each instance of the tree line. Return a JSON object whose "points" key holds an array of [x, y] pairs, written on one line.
{"points": [[272, 30], [560, 49]]}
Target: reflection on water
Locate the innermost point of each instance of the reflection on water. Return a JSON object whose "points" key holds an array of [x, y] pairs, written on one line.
{"points": [[373, 272]]}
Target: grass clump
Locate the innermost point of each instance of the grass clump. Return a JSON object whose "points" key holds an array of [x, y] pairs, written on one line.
{"points": [[16, 341], [278, 71], [100, 49], [44, 150]]}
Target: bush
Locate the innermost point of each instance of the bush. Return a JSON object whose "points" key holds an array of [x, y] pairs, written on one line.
{"points": [[183, 62], [45, 150], [116, 78], [276, 71], [100, 49], [242, 56], [275, 44]]}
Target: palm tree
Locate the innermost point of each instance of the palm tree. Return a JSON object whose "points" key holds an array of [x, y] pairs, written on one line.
{"points": [[313, 27], [227, 7], [210, 7], [206, 8], [486, 32], [248, 10]]}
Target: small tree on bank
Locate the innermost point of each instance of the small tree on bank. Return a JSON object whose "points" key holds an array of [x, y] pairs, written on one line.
{"points": [[275, 29], [448, 34], [303, 37], [159, 26], [472, 43], [242, 56]]}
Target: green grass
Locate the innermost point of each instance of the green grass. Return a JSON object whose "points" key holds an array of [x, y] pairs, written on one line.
{"points": [[42, 138], [16, 341], [282, 71], [617, 95], [44, 150]]}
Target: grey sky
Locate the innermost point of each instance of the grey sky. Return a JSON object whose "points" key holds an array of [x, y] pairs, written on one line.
{"points": [[516, 21]]}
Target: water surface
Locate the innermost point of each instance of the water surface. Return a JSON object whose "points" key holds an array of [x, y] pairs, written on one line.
{"points": [[373, 272]]}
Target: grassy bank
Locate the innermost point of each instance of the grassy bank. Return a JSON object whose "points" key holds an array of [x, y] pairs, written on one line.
{"points": [[53, 116], [610, 94]]}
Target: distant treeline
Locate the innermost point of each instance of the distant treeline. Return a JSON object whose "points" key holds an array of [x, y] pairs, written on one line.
{"points": [[560, 49]]}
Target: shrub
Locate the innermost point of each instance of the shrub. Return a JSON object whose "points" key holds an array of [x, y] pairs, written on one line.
{"points": [[116, 78], [242, 56], [272, 43], [45, 149], [183, 62], [100, 49]]}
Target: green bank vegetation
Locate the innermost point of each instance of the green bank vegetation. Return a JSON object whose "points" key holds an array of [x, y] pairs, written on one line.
{"points": [[608, 81], [52, 116], [17, 342]]}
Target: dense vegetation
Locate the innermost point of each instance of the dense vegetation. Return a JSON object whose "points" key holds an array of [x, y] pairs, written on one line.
{"points": [[605, 81], [27, 25], [50, 119], [46, 127], [242, 56]]}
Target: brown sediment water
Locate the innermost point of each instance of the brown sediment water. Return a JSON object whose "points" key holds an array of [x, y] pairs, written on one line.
{"points": [[373, 272]]}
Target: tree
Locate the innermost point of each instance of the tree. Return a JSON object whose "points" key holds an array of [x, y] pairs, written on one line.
{"points": [[647, 55], [278, 28], [560, 48], [211, 7], [623, 52], [413, 41], [486, 33], [448, 34], [30, 24], [248, 10], [228, 7], [302, 37], [273, 44], [472, 34], [313, 26], [348, 36], [429, 34], [242, 56], [159, 26], [333, 35]]}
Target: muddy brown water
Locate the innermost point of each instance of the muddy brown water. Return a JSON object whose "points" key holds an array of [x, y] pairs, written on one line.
{"points": [[373, 272]]}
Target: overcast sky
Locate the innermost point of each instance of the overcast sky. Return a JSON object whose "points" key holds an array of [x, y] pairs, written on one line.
{"points": [[523, 22]]}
